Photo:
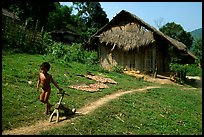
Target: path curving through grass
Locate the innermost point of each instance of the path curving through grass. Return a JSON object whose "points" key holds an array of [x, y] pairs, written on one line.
{"points": [[43, 125]]}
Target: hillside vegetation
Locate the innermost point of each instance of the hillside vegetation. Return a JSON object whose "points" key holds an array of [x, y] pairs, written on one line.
{"points": [[197, 33]]}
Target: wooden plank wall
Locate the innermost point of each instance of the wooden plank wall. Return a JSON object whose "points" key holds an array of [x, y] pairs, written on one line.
{"points": [[142, 60]]}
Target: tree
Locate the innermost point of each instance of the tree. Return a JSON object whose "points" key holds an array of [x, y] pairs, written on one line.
{"points": [[32, 11], [197, 50], [60, 17], [91, 13], [91, 17], [176, 31], [177, 59]]}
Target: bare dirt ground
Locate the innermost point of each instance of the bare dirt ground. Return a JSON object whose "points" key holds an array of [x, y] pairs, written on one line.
{"points": [[43, 125], [160, 79], [195, 80]]}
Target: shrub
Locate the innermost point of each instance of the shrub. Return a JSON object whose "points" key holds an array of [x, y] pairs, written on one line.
{"points": [[179, 72], [58, 50], [47, 40], [91, 57], [74, 52], [193, 70], [118, 69]]}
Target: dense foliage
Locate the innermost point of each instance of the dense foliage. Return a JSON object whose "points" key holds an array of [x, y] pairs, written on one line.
{"points": [[177, 60], [19, 37], [53, 16], [31, 11], [60, 18], [197, 50], [177, 32], [69, 53]]}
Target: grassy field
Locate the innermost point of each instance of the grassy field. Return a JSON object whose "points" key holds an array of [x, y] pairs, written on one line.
{"points": [[167, 110]]}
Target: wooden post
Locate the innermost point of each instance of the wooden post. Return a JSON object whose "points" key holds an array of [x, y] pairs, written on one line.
{"points": [[155, 70], [154, 60]]}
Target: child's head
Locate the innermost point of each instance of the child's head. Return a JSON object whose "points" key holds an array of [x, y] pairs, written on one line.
{"points": [[45, 67]]}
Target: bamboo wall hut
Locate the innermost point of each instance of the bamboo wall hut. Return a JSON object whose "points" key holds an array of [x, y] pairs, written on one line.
{"points": [[129, 42]]}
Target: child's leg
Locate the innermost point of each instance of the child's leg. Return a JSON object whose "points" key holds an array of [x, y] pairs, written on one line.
{"points": [[42, 96], [46, 97]]}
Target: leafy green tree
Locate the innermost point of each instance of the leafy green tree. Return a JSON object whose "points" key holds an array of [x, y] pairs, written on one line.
{"points": [[177, 32], [60, 17], [197, 50], [90, 17], [92, 14], [177, 60]]}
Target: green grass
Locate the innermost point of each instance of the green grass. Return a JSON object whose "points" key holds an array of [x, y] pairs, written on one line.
{"points": [[161, 111], [168, 110]]}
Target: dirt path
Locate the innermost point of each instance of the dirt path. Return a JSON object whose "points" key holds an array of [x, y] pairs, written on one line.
{"points": [[87, 109]]}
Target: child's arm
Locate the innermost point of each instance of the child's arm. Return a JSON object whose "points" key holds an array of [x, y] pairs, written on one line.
{"points": [[56, 85], [38, 83]]}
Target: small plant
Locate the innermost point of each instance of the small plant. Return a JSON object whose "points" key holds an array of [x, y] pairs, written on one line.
{"points": [[179, 71], [72, 53], [58, 50], [193, 70], [118, 69]]}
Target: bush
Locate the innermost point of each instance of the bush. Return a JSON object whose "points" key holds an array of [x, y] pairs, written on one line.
{"points": [[91, 57], [74, 52], [58, 50], [118, 69], [47, 40], [193, 70], [179, 72]]}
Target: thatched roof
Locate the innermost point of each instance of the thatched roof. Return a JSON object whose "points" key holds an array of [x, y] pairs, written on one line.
{"points": [[63, 32], [129, 36], [9, 14], [137, 33]]}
